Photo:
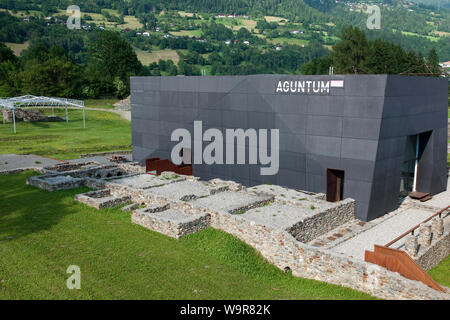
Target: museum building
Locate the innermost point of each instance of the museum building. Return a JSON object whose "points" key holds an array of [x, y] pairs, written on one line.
{"points": [[373, 138]]}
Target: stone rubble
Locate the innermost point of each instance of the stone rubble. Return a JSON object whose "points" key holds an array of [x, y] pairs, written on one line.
{"points": [[29, 115]]}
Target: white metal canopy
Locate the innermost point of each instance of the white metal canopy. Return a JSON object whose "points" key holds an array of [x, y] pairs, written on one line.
{"points": [[33, 101]]}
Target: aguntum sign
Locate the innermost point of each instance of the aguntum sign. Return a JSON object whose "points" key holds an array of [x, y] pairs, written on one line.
{"points": [[308, 86]]}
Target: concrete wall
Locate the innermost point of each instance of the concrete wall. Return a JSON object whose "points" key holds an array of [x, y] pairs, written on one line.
{"points": [[360, 128]]}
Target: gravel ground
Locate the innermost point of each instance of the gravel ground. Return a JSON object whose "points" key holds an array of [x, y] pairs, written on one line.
{"points": [[229, 200], [173, 216], [440, 200], [278, 216], [14, 161], [99, 159], [177, 191], [142, 181]]}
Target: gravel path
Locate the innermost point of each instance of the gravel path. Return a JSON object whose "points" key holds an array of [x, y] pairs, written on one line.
{"points": [[14, 161], [383, 232], [99, 159]]}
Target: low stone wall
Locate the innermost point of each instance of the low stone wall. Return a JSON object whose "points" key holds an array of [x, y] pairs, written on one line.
{"points": [[171, 223], [28, 115], [88, 155], [94, 183], [132, 167], [66, 167], [101, 199], [279, 247], [285, 252], [439, 249], [323, 222], [55, 182]]}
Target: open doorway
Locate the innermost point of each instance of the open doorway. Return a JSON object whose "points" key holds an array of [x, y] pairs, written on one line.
{"points": [[186, 156], [410, 174], [335, 185]]}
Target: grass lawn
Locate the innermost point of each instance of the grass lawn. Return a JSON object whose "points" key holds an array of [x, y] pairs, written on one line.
{"points": [[100, 103], [104, 131], [43, 233], [441, 273]]}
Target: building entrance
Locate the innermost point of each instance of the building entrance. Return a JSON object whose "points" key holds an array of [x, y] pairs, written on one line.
{"points": [[335, 185]]}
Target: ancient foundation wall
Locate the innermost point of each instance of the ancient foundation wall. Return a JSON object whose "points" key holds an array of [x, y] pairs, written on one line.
{"points": [[282, 250], [438, 250]]}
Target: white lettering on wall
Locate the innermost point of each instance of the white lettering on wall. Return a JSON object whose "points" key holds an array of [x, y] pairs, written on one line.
{"points": [[308, 86]]}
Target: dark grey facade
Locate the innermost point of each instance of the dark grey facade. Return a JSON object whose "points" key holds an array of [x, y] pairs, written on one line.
{"points": [[360, 125]]}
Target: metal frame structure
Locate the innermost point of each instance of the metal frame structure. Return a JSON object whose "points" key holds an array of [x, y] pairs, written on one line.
{"points": [[34, 101]]}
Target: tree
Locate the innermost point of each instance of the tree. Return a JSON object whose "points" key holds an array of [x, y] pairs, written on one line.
{"points": [[433, 63], [6, 54], [350, 53], [381, 58], [243, 34], [111, 57], [57, 76], [317, 66], [148, 20], [171, 68]]}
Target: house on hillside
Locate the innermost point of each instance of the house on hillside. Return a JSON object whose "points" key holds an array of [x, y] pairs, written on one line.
{"points": [[445, 68]]}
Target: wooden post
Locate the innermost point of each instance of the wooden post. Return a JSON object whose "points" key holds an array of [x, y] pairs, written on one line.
{"points": [[14, 120]]}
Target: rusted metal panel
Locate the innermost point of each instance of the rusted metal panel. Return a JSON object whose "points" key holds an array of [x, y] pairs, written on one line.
{"points": [[418, 195], [161, 165], [399, 261]]}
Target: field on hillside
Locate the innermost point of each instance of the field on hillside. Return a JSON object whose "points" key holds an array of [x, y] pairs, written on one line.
{"points": [[131, 22], [146, 57], [17, 48], [189, 33], [42, 236], [282, 40], [104, 131]]}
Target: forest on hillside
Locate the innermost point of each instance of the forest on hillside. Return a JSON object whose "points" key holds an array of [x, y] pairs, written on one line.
{"points": [[262, 37]]}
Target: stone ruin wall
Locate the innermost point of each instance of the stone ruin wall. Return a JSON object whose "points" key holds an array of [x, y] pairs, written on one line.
{"points": [[28, 115], [287, 253], [282, 250]]}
